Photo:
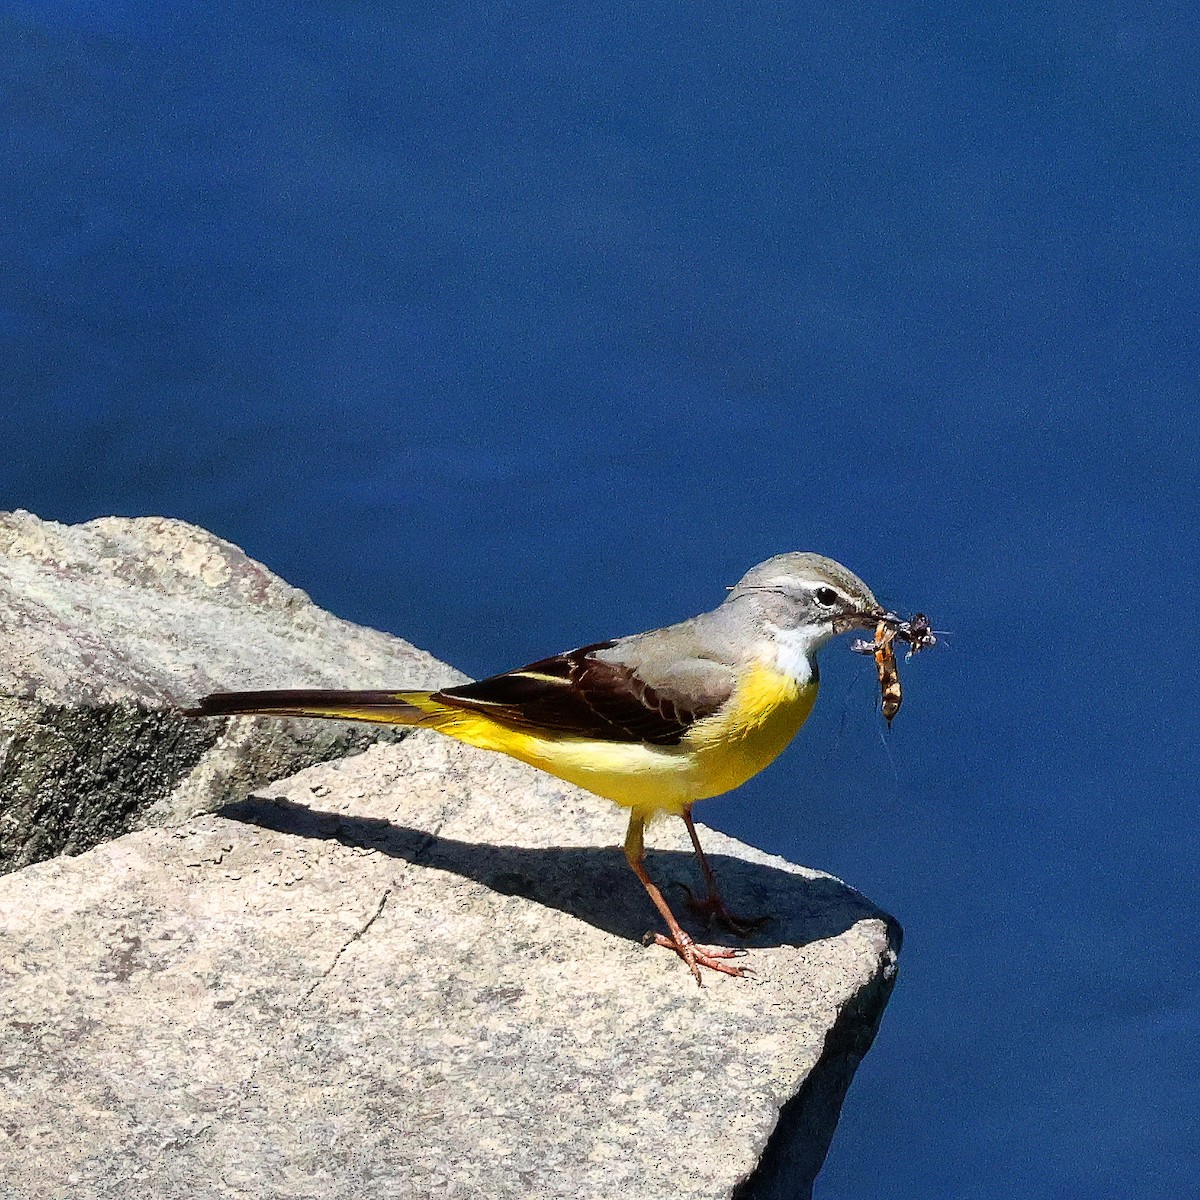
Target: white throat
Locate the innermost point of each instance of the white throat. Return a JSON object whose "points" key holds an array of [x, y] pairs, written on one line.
{"points": [[794, 651]]}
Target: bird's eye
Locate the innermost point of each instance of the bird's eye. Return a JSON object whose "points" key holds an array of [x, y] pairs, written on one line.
{"points": [[826, 596]]}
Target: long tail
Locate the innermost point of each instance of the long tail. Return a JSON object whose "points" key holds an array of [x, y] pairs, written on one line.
{"points": [[384, 708]]}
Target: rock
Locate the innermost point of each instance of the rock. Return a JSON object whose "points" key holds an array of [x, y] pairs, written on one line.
{"points": [[418, 972], [106, 627], [413, 972]]}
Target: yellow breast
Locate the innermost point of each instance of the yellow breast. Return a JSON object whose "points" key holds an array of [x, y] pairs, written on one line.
{"points": [[750, 732]]}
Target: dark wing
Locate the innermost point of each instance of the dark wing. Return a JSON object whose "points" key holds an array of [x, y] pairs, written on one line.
{"points": [[584, 696]]}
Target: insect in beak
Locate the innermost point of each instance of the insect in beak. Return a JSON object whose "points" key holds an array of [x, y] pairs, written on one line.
{"points": [[890, 629]]}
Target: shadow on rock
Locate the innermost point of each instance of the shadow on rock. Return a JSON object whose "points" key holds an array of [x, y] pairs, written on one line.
{"points": [[590, 883]]}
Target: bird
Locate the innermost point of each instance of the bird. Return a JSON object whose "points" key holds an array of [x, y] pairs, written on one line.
{"points": [[653, 721]]}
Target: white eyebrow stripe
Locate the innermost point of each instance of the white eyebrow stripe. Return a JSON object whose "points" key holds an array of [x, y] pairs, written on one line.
{"points": [[786, 583]]}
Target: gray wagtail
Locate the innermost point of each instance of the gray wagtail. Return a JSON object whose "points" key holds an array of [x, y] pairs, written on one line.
{"points": [[654, 721]]}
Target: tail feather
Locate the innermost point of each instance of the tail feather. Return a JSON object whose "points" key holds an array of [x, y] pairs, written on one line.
{"points": [[385, 708]]}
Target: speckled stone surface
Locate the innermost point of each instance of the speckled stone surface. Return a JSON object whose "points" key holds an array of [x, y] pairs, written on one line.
{"points": [[418, 973], [106, 627]]}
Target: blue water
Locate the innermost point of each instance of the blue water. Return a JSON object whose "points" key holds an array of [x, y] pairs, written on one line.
{"points": [[512, 327]]}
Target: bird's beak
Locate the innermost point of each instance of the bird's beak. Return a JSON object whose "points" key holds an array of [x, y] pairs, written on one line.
{"points": [[864, 618]]}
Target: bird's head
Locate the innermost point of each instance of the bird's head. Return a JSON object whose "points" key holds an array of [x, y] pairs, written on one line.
{"points": [[808, 599]]}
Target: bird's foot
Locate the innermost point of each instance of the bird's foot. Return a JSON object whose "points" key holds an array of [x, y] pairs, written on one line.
{"points": [[715, 958], [712, 908]]}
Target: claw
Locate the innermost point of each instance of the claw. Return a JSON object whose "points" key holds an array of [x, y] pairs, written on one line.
{"points": [[696, 957], [712, 908]]}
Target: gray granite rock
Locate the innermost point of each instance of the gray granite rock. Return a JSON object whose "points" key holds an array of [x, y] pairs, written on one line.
{"points": [[418, 972], [105, 627], [413, 972]]}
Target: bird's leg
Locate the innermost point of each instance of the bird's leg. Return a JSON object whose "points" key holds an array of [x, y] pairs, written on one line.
{"points": [[713, 906], [694, 956]]}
